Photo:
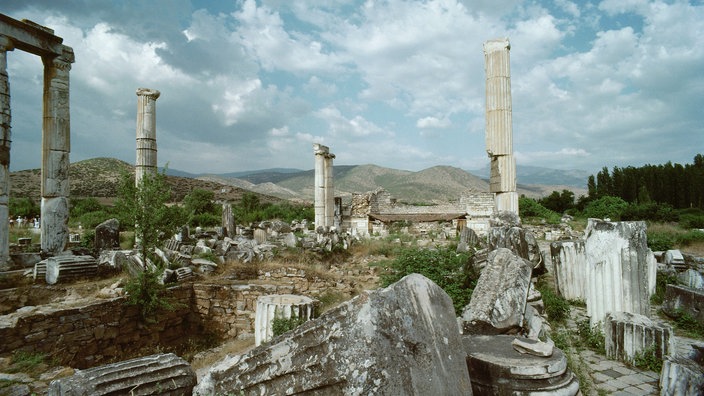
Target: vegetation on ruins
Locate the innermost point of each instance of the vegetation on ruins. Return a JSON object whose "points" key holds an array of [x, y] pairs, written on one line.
{"points": [[647, 359], [556, 306], [448, 269], [281, 325], [251, 209], [200, 206], [144, 205]]}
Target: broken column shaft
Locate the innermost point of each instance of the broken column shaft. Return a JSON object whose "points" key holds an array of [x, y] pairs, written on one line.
{"points": [[499, 129], [146, 133]]}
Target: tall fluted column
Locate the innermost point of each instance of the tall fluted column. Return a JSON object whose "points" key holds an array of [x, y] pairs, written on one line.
{"points": [[5, 139], [329, 192], [499, 128], [324, 193], [146, 133], [56, 146]]}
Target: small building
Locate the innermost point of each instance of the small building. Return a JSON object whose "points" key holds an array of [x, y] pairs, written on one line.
{"points": [[376, 212]]}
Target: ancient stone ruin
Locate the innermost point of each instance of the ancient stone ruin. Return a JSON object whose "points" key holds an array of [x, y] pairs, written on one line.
{"points": [[324, 195], [146, 133], [499, 124], [56, 130]]}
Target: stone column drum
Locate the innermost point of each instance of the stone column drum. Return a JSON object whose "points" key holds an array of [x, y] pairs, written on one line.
{"points": [[279, 306], [56, 146], [5, 139], [499, 128], [146, 133]]}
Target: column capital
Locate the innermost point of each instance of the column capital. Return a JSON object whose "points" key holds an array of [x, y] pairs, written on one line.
{"points": [[61, 62], [152, 93], [498, 44]]}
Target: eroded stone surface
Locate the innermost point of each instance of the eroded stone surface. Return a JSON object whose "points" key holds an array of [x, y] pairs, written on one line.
{"points": [[627, 334], [399, 340], [620, 268], [163, 374], [496, 368], [498, 302]]}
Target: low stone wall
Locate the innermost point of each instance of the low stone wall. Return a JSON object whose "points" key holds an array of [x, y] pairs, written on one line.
{"points": [[95, 332]]}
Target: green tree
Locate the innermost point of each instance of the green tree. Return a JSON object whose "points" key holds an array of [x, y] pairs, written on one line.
{"points": [[144, 206], [606, 207], [24, 207], [199, 201]]}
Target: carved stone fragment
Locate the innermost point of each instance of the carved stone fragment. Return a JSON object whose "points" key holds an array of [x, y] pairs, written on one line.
{"points": [[399, 340]]}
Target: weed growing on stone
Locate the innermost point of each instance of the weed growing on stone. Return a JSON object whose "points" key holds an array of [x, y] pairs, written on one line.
{"points": [[647, 359], [26, 362], [661, 282], [557, 308], [565, 342], [281, 325], [591, 337], [689, 325]]}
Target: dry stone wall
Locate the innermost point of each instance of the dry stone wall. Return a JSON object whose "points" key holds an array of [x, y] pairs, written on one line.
{"points": [[93, 333]]}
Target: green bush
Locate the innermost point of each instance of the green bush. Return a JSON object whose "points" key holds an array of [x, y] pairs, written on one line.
{"points": [[557, 308], [444, 266], [282, 325], [148, 294], [606, 207], [648, 359], [591, 337], [649, 211], [529, 207], [660, 241], [691, 221], [661, 281]]}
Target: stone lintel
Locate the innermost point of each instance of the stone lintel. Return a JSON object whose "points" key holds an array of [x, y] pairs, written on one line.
{"points": [[31, 37]]}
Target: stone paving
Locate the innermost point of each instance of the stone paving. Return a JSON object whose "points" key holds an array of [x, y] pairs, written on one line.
{"points": [[612, 377], [617, 378]]}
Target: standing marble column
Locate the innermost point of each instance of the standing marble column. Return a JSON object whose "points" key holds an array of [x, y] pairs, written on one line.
{"points": [[329, 192], [324, 193], [56, 145], [146, 133], [5, 139], [499, 128]]}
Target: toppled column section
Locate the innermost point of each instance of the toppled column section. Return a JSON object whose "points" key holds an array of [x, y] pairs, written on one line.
{"points": [[69, 267], [681, 376], [499, 124], [498, 302], [628, 334], [279, 306], [163, 374], [399, 340], [620, 268], [569, 263]]}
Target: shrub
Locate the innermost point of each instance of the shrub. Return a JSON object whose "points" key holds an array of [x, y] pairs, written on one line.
{"points": [[444, 266], [592, 337], [648, 359], [146, 292], [660, 241], [557, 308], [661, 281], [606, 207], [529, 207], [281, 325]]}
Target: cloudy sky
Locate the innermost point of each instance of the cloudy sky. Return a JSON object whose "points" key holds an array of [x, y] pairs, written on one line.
{"points": [[251, 84]]}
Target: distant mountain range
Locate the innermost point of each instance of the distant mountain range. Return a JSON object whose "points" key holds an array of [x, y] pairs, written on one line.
{"points": [[99, 177]]}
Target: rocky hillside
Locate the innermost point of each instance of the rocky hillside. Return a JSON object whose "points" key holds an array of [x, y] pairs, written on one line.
{"points": [[99, 178]]}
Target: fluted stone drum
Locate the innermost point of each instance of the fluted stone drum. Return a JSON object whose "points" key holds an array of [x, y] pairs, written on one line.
{"points": [[282, 306]]}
